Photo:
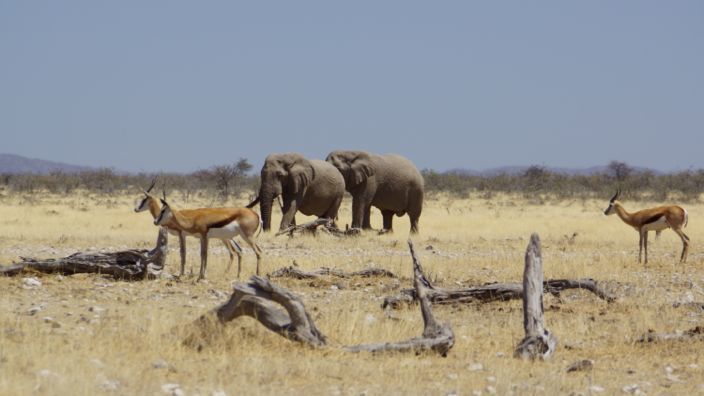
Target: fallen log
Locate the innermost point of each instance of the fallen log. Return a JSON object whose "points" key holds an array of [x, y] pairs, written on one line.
{"points": [[696, 333], [297, 273], [494, 292], [133, 264], [539, 342], [255, 298], [323, 224]]}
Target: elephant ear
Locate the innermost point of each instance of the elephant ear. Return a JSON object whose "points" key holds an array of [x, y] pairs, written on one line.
{"points": [[361, 168], [301, 174]]}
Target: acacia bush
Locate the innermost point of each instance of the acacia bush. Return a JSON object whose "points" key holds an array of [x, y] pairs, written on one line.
{"points": [[224, 181]]}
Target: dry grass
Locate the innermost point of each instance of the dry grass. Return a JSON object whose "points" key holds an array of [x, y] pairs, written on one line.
{"points": [[96, 335]]}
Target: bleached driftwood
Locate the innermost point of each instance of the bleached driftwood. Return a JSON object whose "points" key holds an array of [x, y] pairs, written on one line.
{"points": [[539, 342], [696, 333], [133, 264], [297, 273], [254, 299], [494, 292], [436, 337], [326, 225]]}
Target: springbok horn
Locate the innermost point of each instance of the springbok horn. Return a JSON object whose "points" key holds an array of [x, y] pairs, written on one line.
{"points": [[152, 186], [618, 192]]}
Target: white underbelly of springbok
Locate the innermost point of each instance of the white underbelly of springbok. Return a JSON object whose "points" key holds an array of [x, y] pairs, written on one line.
{"points": [[229, 231], [658, 225]]}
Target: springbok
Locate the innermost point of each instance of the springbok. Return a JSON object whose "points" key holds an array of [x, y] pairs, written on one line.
{"points": [[151, 203], [653, 219], [213, 223]]}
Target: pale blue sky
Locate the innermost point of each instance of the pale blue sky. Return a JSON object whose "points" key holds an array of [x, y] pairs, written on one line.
{"points": [[176, 85]]}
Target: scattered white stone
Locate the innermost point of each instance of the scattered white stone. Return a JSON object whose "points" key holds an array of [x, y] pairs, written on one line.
{"points": [[673, 378], [452, 393], [669, 369], [35, 309], [160, 364], [476, 367], [97, 363], [370, 318], [31, 283], [452, 376], [218, 392], [500, 354], [172, 389], [490, 390], [110, 385], [693, 366], [596, 389], [96, 309], [476, 393], [633, 388], [46, 373], [334, 287], [491, 379]]}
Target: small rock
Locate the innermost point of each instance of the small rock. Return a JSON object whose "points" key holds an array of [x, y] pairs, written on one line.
{"points": [[35, 309], [491, 379], [490, 390], [581, 365], [633, 388], [160, 364], [370, 318], [334, 287], [96, 309], [31, 283], [596, 389], [110, 385], [476, 367], [218, 392], [452, 376], [172, 389]]}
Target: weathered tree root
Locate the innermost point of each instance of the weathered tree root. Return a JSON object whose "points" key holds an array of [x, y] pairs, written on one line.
{"points": [[323, 224], [134, 264], [495, 292], [696, 333], [297, 273], [254, 299]]}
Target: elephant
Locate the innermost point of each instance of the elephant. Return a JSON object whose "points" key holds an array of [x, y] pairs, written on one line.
{"points": [[389, 182], [312, 187]]}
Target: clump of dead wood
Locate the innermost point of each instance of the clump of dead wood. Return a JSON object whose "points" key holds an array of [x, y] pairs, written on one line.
{"points": [[324, 225], [133, 264], [293, 322], [297, 273]]}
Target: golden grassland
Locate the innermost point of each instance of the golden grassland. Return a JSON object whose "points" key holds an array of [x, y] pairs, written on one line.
{"points": [[96, 335]]}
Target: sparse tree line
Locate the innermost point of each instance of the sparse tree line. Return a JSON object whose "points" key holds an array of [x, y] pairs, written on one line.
{"points": [[233, 179]]}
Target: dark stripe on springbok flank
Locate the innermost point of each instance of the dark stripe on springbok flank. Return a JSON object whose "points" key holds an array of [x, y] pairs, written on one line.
{"points": [[653, 219], [223, 223]]}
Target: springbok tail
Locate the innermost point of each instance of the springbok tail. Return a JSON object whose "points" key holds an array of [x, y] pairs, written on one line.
{"points": [[686, 218], [261, 227]]}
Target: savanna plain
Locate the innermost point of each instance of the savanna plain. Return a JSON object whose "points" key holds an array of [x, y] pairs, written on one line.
{"points": [[90, 334]]}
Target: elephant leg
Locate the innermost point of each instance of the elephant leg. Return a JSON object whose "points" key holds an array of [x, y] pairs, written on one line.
{"points": [[358, 206], [367, 223], [414, 224], [388, 216], [332, 211], [290, 207]]}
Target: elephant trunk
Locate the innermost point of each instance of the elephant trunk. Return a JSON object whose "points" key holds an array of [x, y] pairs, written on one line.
{"points": [[265, 203]]}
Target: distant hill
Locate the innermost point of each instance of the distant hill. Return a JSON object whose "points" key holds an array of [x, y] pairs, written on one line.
{"points": [[517, 170], [11, 163]]}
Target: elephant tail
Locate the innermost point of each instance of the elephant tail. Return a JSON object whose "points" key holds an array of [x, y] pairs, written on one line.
{"points": [[253, 203]]}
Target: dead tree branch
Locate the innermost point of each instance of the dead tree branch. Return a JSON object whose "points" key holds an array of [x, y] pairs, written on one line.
{"points": [[133, 264], [254, 299], [436, 337], [297, 273], [326, 225], [539, 342]]}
